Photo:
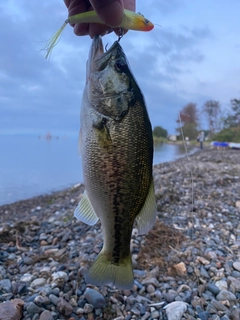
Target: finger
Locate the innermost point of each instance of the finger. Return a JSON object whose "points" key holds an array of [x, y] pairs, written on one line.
{"points": [[110, 11], [129, 5], [96, 29], [81, 29]]}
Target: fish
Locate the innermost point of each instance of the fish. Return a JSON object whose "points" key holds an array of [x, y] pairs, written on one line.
{"points": [[131, 21], [116, 145]]}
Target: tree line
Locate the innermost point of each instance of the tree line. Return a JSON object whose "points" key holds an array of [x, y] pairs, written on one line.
{"points": [[219, 125]]}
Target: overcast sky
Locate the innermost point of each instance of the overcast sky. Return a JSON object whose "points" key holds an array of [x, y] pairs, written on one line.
{"points": [[201, 40]]}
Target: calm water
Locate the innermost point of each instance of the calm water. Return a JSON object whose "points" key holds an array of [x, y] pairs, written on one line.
{"points": [[30, 166]]}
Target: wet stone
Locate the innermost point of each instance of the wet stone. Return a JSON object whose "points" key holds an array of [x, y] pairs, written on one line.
{"points": [[236, 265], [5, 286], [221, 284], [218, 305], [95, 298], [46, 315], [235, 274], [150, 288], [170, 296], [226, 295], [204, 315], [155, 314], [2, 272], [235, 314], [38, 282], [213, 288], [41, 301], [54, 299], [204, 272], [32, 308], [88, 308], [12, 256], [64, 307]]}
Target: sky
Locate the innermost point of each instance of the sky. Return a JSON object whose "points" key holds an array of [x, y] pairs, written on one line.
{"points": [[192, 55]]}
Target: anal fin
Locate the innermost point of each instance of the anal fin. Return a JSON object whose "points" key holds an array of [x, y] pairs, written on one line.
{"points": [[147, 216]]}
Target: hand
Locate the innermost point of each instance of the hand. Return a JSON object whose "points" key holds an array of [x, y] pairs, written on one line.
{"points": [[110, 11]]}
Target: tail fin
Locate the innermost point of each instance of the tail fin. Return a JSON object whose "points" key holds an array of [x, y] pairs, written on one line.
{"points": [[103, 271]]}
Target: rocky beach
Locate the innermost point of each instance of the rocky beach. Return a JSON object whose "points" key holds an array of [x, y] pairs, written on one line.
{"points": [[186, 267]]}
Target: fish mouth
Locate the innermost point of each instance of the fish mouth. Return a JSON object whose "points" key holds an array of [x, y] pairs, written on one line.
{"points": [[98, 58], [96, 50]]}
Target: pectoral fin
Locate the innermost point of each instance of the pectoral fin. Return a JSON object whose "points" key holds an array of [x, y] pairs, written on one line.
{"points": [[147, 216], [85, 212], [104, 138]]}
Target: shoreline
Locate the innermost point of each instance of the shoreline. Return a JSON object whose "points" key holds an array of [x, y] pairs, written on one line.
{"points": [[194, 259], [192, 149]]}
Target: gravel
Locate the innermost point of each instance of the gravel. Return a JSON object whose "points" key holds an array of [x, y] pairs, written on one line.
{"points": [[186, 267]]}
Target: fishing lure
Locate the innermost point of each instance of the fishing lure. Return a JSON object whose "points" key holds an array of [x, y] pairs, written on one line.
{"points": [[131, 21]]}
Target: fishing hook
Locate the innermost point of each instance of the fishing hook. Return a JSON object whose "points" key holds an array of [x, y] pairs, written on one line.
{"points": [[121, 34]]}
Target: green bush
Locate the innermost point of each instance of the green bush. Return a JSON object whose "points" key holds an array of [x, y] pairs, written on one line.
{"points": [[227, 135], [159, 132]]}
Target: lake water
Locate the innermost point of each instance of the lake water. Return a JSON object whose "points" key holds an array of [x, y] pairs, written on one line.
{"points": [[30, 166]]}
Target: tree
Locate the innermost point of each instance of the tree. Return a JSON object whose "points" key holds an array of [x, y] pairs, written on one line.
{"points": [[188, 121], [236, 111], [212, 110], [233, 118], [160, 132], [190, 130], [189, 114]]}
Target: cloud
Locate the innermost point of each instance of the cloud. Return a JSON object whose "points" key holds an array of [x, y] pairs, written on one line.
{"points": [[189, 63]]}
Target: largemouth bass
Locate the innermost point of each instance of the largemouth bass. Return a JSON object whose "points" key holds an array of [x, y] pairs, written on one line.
{"points": [[117, 152]]}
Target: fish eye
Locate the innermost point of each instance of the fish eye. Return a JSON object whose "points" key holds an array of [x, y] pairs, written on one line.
{"points": [[119, 66], [146, 21]]}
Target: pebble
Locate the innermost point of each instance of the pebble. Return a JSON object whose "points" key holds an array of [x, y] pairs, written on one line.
{"points": [[64, 307], [175, 310], [204, 273], [39, 282], [54, 299], [41, 301], [5, 286], [225, 295], [95, 298], [235, 314], [170, 296], [154, 314], [204, 315], [213, 288], [32, 308], [26, 277], [150, 288], [46, 315], [221, 284], [88, 308], [236, 264]]}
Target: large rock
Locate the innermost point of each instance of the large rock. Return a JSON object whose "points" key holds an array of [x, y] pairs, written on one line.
{"points": [[11, 310]]}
